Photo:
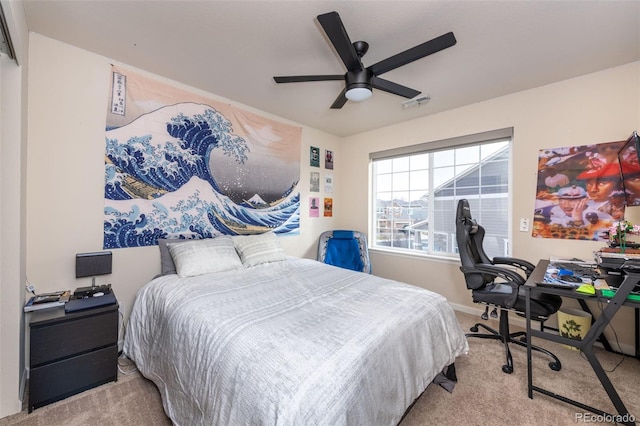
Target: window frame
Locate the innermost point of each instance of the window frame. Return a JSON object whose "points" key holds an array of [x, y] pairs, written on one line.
{"points": [[505, 134]]}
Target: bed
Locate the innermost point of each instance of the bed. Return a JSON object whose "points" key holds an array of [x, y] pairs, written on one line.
{"points": [[287, 342]]}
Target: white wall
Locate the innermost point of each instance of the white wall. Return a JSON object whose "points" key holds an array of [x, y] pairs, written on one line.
{"points": [[68, 97], [13, 136], [595, 108]]}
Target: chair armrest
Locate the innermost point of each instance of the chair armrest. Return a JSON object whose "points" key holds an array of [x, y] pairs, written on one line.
{"points": [[511, 278], [526, 266]]}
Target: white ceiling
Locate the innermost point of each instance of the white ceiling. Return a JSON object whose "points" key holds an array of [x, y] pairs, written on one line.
{"points": [[234, 48]]}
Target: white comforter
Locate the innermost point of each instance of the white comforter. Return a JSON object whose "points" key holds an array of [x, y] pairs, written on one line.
{"points": [[290, 343]]}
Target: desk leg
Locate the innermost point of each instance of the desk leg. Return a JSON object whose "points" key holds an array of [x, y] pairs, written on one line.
{"points": [[606, 383], [602, 339], [527, 310], [596, 330], [637, 333]]}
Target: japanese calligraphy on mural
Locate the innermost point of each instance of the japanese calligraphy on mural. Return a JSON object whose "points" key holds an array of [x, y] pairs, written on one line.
{"points": [[580, 193], [179, 165]]}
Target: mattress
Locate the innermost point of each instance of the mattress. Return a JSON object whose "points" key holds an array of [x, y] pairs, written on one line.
{"points": [[295, 342]]}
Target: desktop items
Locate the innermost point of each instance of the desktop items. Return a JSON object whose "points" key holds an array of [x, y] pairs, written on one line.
{"points": [[614, 264], [92, 265], [81, 304], [574, 274], [586, 289]]}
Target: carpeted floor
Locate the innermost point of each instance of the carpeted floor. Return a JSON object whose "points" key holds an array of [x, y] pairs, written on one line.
{"points": [[484, 394]]}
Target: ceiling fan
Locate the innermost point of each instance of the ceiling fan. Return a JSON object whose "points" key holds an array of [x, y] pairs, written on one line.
{"points": [[359, 81]]}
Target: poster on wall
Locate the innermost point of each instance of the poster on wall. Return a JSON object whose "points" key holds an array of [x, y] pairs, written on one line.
{"points": [[314, 156], [328, 182], [181, 165], [328, 159], [579, 192], [314, 206], [328, 207], [314, 181]]}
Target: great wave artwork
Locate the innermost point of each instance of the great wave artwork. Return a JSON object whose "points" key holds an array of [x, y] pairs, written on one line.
{"points": [[182, 170]]}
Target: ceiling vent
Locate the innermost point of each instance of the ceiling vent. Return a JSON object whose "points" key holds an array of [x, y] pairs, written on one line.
{"points": [[416, 101]]}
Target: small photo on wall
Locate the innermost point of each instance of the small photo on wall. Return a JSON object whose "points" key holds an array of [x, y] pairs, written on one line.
{"points": [[314, 157], [328, 207], [314, 182], [314, 206], [328, 182], [328, 159]]}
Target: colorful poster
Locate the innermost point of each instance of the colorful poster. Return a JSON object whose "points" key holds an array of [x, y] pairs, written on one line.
{"points": [[328, 207], [314, 206], [580, 193], [179, 165]]}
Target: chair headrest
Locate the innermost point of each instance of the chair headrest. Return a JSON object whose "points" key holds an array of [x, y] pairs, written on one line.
{"points": [[464, 212], [347, 235], [463, 216]]}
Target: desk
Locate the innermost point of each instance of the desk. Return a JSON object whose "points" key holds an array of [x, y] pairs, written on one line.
{"points": [[586, 345]]}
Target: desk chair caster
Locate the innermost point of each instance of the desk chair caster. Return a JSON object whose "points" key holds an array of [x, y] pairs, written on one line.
{"points": [[518, 338]]}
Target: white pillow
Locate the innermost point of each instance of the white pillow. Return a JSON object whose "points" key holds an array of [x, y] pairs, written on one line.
{"points": [[199, 257], [257, 249]]}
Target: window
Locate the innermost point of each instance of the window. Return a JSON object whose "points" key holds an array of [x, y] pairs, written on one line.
{"points": [[416, 190]]}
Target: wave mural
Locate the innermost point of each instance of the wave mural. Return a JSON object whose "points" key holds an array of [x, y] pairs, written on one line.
{"points": [[162, 179]]}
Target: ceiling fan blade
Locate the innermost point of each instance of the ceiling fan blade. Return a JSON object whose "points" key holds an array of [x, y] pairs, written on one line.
{"points": [[303, 78], [332, 25], [391, 87], [340, 100], [413, 54]]}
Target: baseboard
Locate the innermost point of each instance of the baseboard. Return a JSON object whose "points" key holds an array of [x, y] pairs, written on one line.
{"points": [[519, 321]]}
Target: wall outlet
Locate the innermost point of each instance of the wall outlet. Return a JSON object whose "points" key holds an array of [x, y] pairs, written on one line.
{"points": [[524, 224]]}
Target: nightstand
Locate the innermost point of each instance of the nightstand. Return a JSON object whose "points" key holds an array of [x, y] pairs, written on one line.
{"points": [[71, 352]]}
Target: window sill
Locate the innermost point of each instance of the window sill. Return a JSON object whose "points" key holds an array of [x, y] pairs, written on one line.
{"points": [[413, 254]]}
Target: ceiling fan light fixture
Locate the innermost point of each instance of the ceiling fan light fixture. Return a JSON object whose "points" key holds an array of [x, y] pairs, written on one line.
{"points": [[358, 94]]}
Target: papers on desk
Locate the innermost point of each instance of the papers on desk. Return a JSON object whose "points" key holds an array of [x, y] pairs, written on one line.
{"points": [[571, 274]]}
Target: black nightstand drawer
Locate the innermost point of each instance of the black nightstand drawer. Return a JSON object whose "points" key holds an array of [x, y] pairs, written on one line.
{"points": [[71, 352], [58, 380], [72, 336]]}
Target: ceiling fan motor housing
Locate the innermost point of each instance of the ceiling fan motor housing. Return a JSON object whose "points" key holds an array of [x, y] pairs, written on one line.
{"points": [[359, 79]]}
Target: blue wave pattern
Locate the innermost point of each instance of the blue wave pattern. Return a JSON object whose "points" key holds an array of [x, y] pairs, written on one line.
{"points": [[182, 199]]}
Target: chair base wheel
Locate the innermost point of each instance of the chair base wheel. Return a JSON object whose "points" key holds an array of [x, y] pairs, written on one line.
{"points": [[519, 338]]}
